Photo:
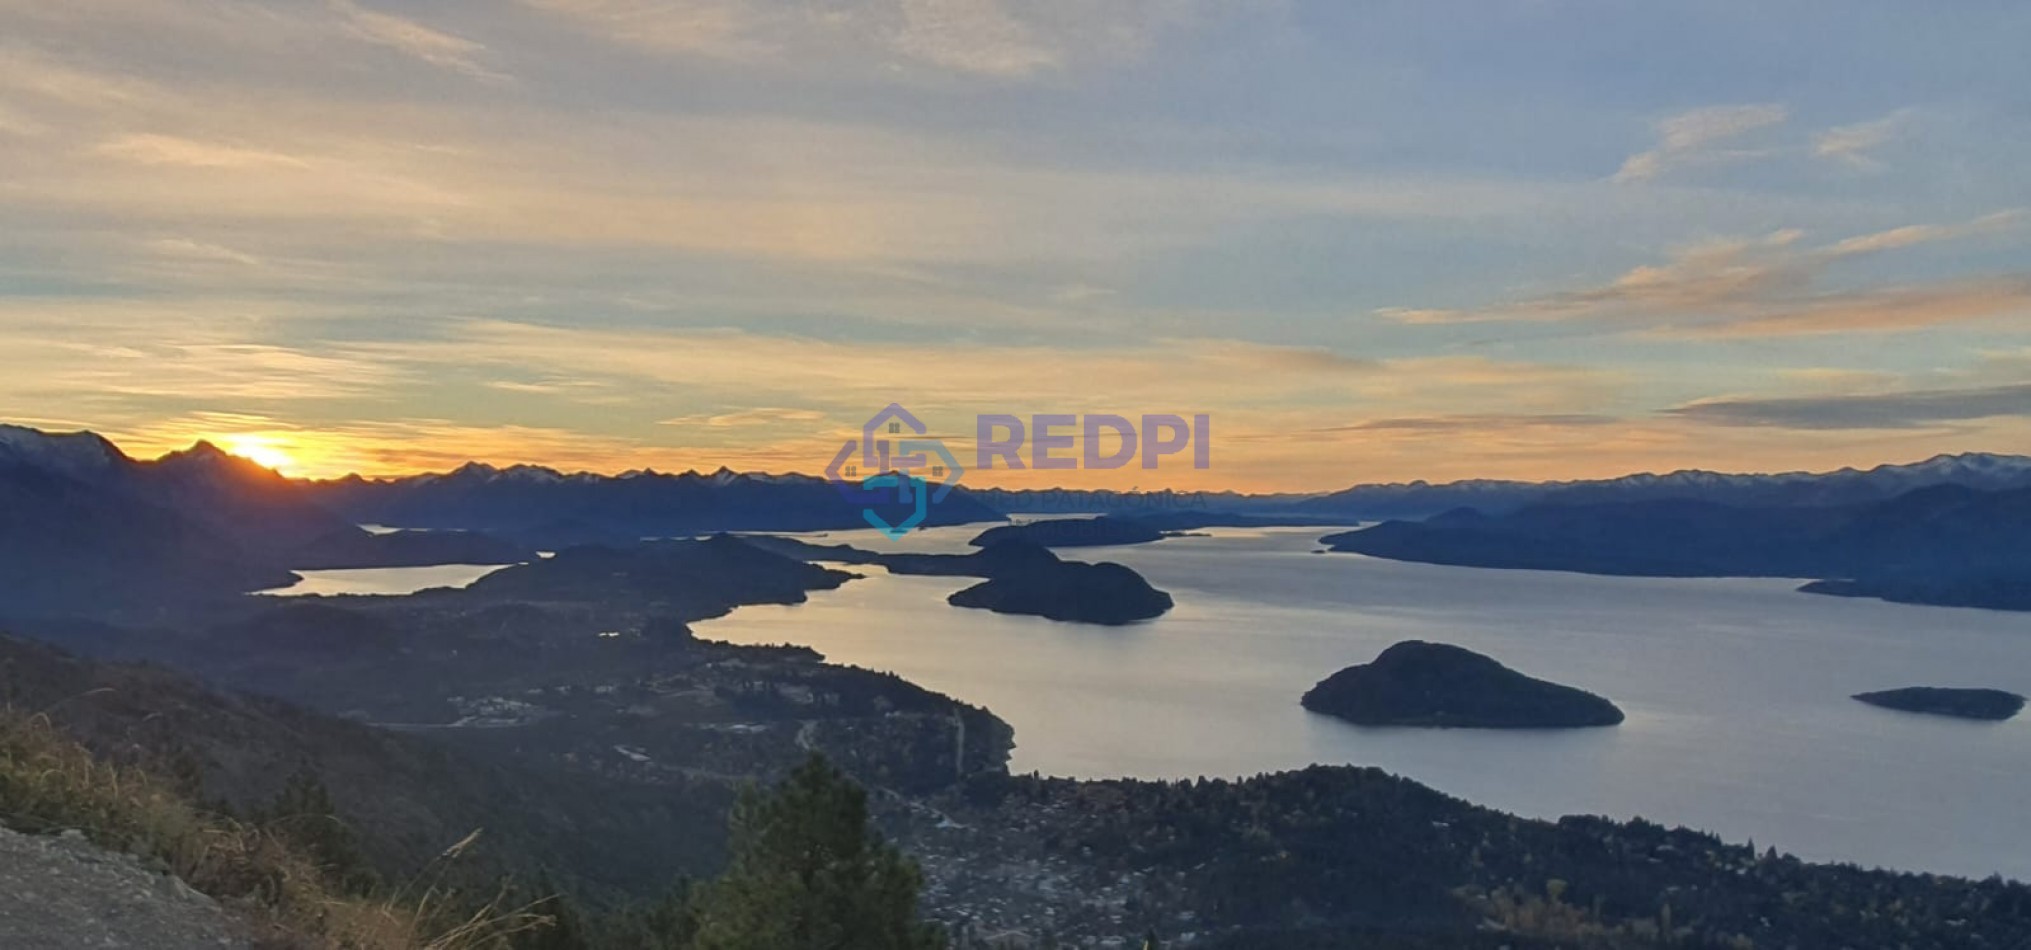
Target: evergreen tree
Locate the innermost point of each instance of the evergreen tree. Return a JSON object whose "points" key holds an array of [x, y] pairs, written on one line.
{"points": [[807, 873], [565, 930], [304, 815]]}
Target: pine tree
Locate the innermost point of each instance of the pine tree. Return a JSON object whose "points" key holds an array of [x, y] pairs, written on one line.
{"points": [[807, 873], [565, 929], [304, 815]]}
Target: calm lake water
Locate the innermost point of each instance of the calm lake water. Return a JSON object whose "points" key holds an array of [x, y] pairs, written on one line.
{"points": [[383, 580], [1736, 690]]}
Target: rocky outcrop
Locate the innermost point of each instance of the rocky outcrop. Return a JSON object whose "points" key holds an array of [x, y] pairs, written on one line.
{"points": [[62, 891]]}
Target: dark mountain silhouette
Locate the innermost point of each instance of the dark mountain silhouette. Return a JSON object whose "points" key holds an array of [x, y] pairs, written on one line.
{"points": [[1946, 544], [81, 526], [548, 508], [1184, 511], [86, 529], [1848, 486], [237, 498]]}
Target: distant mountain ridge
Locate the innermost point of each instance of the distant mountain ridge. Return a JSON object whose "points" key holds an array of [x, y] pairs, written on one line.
{"points": [[84, 527], [81, 522], [1942, 544], [1420, 499], [548, 508], [1846, 486]]}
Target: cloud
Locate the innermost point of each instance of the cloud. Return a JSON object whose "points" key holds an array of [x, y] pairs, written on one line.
{"points": [[720, 27], [1766, 286], [1507, 422], [746, 418], [42, 77], [437, 48], [1696, 138], [842, 379], [976, 36], [1851, 144], [1915, 234], [1002, 39], [1896, 410], [15, 124], [186, 249], [1878, 310], [151, 149]]}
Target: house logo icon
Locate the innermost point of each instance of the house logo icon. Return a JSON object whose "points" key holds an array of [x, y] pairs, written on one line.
{"points": [[881, 469]]}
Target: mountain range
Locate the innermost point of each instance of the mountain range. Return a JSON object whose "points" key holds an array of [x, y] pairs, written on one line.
{"points": [[84, 526], [1847, 486], [1422, 499], [1944, 544], [550, 509]]}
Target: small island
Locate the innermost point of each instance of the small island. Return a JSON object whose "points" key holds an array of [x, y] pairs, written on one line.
{"points": [[1073, 532], [1416, 683], [1020, 577], [1104, 593], [1993, 705]]}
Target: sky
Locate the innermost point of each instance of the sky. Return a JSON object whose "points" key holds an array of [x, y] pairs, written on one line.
{"points": [[1372, 241]]}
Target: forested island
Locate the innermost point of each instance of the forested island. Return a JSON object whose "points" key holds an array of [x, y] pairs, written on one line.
{"points": [[1104, 593], [1073, 532], [1415, 683], [1991, 704], [1019, 577]]}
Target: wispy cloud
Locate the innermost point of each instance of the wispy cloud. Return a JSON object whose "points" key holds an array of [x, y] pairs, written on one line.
{"points": [[1892, 410], [1768, 286], [1701, 137], [978, 36], [717, 27], [1852, 145], [748, 418], [186, 249], [152, 149], [280, 218], [1005, 39], [408, 36]]}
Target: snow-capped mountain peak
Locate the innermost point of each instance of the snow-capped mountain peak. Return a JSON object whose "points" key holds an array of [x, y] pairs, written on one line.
{"points": [[75, 454]]}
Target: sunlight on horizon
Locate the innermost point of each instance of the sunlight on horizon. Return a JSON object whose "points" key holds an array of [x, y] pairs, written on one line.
{"points": [[264, 450]]}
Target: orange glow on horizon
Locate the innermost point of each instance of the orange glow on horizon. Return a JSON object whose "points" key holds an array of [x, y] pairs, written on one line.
{"points": [[267, 451], [1249, 460]]}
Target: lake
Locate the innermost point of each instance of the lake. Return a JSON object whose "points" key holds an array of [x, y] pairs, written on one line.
{"points": [[383, 580], [1736, 690]]}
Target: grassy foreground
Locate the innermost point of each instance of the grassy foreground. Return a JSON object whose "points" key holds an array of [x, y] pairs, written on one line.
{"points": [[258, 870]]}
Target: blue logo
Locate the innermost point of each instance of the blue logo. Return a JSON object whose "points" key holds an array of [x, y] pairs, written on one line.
{"points": [[880, 468]]}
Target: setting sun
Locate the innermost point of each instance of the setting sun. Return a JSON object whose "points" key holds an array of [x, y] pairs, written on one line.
{"points": [[265, 451]]}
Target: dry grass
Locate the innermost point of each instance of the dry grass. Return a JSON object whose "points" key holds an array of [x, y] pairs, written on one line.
{"points": [[49, 782]]}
